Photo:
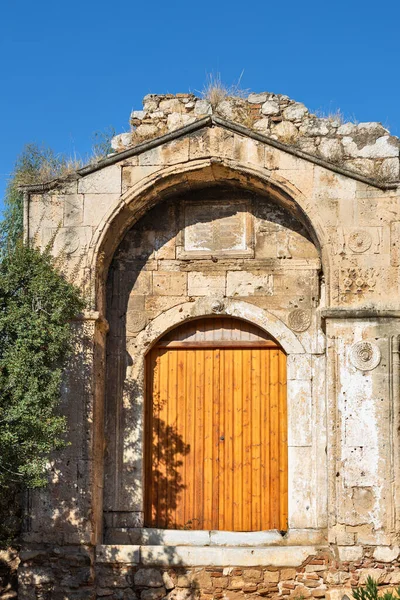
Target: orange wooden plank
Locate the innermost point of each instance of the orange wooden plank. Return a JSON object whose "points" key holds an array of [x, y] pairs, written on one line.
{"points": [[227, 442], [256, 439], [216, 412], [221, 433], [198, 444], [237, 440], [170, 439], [247, 412], [283, 446], [161, 425], [238, 343], [208, 437], [265, 445], [274, 432], [190, 465], [180, 439]]}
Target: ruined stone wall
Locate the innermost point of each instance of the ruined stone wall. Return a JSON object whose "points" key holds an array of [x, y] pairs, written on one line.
{"points": [[343, 346], [366, 148], [71, 574]]}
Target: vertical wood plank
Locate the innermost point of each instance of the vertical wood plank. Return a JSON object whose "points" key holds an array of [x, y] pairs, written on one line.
{"points": [[247, 412], [283, 443], [198, 444], [228, 440], [181, 439], [274, 432], [256, 439], [208, 437], [170, 439], [216, 428], [237, 439], [161, 424], [221, 432], [190, 439]]}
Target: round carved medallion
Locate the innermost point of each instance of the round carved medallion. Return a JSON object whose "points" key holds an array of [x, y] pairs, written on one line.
{"points": [[218, 307], [135, 321], [299, 319], [365, 356], [359, 241]]}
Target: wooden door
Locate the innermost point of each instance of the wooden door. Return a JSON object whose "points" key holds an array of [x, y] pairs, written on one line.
{"points": [[216, 430]]}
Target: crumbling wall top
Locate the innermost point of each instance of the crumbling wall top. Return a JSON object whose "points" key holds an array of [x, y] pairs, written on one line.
{"points": [[366, 148]]}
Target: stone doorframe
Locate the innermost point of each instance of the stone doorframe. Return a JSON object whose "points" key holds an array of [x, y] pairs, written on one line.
{"points": [[306, 351], [307, 472]]}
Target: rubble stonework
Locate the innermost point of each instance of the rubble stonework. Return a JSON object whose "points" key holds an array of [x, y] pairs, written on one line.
{"points": [[240, 210], [367, 148]]}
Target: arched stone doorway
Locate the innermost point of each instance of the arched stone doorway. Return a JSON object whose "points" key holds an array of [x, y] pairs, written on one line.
{"points": [[225, 251], [216, 429]]}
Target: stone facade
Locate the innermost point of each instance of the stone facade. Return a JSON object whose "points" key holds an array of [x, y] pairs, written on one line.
{"points": [[244, 210]]}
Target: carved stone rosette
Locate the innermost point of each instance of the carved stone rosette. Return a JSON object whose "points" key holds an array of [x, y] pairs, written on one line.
{"points": [[365, 356], [299, 320]]}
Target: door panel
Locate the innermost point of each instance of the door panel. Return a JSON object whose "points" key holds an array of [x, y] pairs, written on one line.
{"points": [[216, 438]]}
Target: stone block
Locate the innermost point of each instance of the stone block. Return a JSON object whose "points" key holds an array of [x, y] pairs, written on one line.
{"points": [[153, 594], [176, 151], [236, 583], [103, 181], [206, 284], [270, 107], [117, 554], [271, 577], [96, 206], [142, 285], [175, 537], [299, 366], [181, 594], [386, 553], [134, 175], [236, 538], [224, 557], [301, 500], [201, 579], [73, 210], [253, 575], [169, 582], [288, 574], [239, 283], [168, 283], [247, 150], [377, 575], [350, 553], [148, 578], [299, 414]]}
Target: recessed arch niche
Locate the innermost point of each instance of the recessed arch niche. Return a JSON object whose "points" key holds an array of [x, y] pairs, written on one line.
{"points": [[219, 250]]}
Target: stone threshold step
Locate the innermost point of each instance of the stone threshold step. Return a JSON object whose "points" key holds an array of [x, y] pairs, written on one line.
{"points": [[196, 556], [178, 537]]}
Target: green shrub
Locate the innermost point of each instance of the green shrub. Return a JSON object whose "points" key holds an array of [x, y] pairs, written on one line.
{"points": [[370, 592], [37, 304]]}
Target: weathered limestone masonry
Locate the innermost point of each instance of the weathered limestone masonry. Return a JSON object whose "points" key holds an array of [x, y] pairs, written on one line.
{"points": [[256, 210]]}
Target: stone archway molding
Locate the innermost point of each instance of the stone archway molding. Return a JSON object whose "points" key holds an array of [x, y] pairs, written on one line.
{"points": [[185, 177], [206, 307]]}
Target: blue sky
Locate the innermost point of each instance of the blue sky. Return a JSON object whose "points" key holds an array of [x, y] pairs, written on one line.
{"points": [[70, 69]]}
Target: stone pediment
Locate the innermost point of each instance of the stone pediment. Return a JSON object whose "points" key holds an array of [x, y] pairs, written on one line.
{"points": [[213, 121]]}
